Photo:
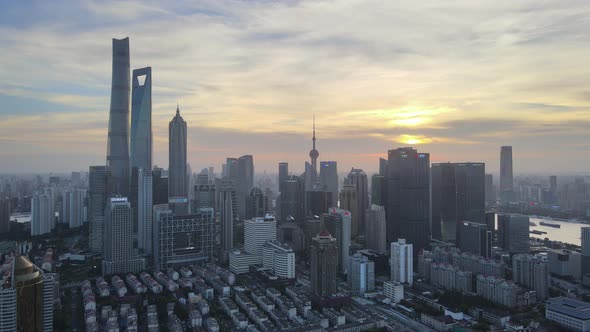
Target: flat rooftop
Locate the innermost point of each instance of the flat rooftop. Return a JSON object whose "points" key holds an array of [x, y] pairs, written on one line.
{"points": [[570, 307]]}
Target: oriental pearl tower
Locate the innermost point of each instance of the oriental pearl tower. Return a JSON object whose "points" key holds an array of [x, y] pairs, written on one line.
{"points": [[314, 154]]}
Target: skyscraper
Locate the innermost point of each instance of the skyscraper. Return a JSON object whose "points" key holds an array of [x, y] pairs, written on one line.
{"points": [[531, 271], [118, 137], [383, 166], [26, 298], [118, 241], [402, 261], [474, 238], [40, 214], [329, 178], [408, 207], [349, 201], [338, 222], [359, 179], [513, 233], [73, 210], [145, 211], [283, 173], [489, 188], [324, 266], [506, 180], [4, 214], [379, 189], [141, 119], [226, 202], [244, 183], [458, 194], [256, 203], [585, 236], [292, 199], [376, 229], [361, 275], [177, 174], [99, 190], [160, 186]]}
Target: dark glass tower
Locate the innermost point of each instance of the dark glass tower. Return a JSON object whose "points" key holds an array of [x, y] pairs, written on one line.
{"points": [[118, 137], [324, 265], [292, 199], [177, 176], [506, 178], [408, 208]]}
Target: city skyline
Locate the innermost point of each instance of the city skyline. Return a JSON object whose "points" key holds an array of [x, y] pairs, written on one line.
{"points": [[251, 84]]}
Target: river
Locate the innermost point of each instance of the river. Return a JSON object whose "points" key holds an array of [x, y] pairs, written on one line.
{"points": [[569, 232]]}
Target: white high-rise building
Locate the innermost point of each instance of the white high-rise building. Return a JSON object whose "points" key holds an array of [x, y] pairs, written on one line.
{"points": [[361, 274], [280, 258], [40, 214], [144, 211], [48, 300], [7, 306], [73, 210], [394, 291], [118, 253], [256, 232], [402, 265]]}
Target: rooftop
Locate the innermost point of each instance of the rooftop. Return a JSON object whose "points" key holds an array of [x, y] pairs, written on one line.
{"points": [[570, 307]]}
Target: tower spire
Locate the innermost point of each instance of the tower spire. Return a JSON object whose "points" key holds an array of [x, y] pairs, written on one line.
{"points": [[177, 109], [313, 132]]}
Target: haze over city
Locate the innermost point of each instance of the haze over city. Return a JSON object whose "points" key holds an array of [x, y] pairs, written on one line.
{"points": [[455, 80]]}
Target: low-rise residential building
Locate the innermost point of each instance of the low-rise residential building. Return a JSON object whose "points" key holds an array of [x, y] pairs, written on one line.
{"points": [[570, 313]]}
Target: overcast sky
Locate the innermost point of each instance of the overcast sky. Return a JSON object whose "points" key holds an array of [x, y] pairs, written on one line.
{"points": [[456, 79]]}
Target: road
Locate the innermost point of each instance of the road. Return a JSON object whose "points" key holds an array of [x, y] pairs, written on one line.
{"points": [[406, 321]]}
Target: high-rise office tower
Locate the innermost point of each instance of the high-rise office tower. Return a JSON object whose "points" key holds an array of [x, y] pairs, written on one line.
{"points": [[513, 233], [474, 238], [402, 261], [506, 179], [553, 183], [585, 236], [118, 240], [231, 168], [244, 183], [379, 189], [359, 179], [489, 188], [361, 275], [283, 173], [324, 266], [376, 229], [26, 298], [177, 174], [74, 207], [349, 201], [183, 240], [531, 271], [145, 211], [458, 194], [329, 178], [204, 196], [408, 195], [4, 215], [40, 214], [256, 203], [141, 119], [313, 227], [118, 137], [338, 222], [292, 199], [226, 202], [160, 186], [491, 222], [280, 258], [383, 166], [99, 190], [141, 134], [256, 232], [318, 202]]}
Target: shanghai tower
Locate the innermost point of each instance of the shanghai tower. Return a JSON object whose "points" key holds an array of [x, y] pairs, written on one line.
{"points": [[118, 139]]}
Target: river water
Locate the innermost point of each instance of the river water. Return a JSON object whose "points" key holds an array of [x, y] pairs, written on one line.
{"points": [[569, 232]]}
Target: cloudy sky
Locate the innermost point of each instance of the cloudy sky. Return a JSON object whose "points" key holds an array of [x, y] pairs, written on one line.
{"points": [[456, 79]]}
